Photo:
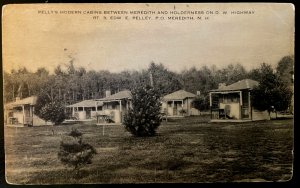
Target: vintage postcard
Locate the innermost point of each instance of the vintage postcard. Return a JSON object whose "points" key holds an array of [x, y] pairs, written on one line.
{"points": [[148, 93]]}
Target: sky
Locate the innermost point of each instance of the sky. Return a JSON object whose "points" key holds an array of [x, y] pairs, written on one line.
{"points": [[35, 40]]}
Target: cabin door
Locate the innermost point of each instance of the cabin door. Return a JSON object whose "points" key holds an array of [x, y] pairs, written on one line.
{"points": [[175, 109], [88, 113], [245, 110]]}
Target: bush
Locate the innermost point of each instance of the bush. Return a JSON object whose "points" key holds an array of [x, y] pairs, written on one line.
{"points": [[144, 117], [182, 111], [201, 103], [53, 111], [74, 152]]}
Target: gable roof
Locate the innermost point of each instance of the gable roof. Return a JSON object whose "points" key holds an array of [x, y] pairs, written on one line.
{"points": [[240, 85], [126, 94], [87, 103], [29, 100], [179, 95]]}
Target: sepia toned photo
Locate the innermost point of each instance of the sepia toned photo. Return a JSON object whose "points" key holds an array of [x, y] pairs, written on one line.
{"points": [[148, 93]]}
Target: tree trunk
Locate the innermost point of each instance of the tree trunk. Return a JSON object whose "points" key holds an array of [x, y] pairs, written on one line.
{"points": [[13, 93], [59, 93], [51, 91]]}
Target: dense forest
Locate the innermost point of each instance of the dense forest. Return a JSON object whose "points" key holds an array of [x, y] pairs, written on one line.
{"points": [[71, 84]]}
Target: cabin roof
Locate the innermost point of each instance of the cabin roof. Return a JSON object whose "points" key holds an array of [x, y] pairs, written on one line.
{"points": [[179, 95], [240, 85], [29, 101], [87, 103], [126, 94]]}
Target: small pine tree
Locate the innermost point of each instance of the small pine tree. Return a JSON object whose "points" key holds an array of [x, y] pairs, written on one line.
{"points": [[74, 152], [144, 117]]}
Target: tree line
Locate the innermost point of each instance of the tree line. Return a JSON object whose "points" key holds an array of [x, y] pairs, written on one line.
{"points": [[71, 84]]}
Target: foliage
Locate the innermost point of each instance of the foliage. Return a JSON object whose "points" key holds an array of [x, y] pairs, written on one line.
{"points": [[74, 152], [71, 84], [182, 111], [285, 69], [259, 73], [164, 80], [144, 117], [272, 91], [230, 74], [201, 103], [53, 111]]}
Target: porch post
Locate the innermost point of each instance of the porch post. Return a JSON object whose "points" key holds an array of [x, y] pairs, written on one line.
{"points": [[241, 104], [23, 109], [249, 105], [167, 107], [31, 114], [121, 111], [30, 111], [241, 99], [210, 104], [173, 107], [73, 111], [210, 100], [183, 106], [120, 105]]}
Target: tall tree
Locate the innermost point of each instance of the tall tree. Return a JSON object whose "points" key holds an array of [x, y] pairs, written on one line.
{"points": [[163, 79], [271, 92], [285, 69], [258, 74]]}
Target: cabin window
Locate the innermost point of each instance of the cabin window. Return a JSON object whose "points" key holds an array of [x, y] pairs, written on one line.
{"points": [[10, 114], [18, 108], [231, 98], [113, 106], [221, 99], [80, 108], [99, 108], [93, 108], [170, 103]]}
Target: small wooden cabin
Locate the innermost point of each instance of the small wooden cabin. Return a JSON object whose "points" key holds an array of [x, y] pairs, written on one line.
{"points": [[233, 103], [179, 104], [21, 113], [85, 110], [114, 107]]}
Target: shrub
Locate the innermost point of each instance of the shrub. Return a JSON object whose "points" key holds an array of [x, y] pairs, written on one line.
{"points": [[53, 111], [201, 103], [144, 117], [182, 111], [74, 152]]}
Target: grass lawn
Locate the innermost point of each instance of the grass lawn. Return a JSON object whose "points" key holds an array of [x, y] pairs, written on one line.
{"points": [[187, 150]]}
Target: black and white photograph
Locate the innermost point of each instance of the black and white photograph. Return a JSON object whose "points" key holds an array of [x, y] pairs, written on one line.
{"points": [[148, 93]]}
